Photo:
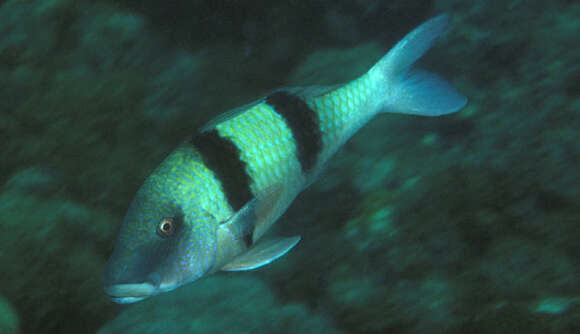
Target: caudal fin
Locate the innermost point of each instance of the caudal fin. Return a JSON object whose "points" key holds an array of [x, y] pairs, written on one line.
{"points": [[414, 91]]}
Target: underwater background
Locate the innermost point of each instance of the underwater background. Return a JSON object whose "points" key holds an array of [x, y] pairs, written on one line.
{"points": [[468, 223]]}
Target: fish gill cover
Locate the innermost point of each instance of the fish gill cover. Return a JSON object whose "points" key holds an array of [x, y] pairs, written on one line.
{"points": [[462, 224]]}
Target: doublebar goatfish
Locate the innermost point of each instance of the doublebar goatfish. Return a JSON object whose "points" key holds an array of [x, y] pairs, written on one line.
{"points": [[207, 205]]}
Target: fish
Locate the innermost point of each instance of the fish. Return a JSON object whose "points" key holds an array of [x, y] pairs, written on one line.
{"points": [[206, 207]]}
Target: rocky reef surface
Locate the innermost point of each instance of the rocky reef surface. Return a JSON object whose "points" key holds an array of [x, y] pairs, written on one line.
{"points": [[459, 224]]}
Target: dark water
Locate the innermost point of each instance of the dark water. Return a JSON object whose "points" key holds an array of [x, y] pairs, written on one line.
{"points": [[462, 224]]}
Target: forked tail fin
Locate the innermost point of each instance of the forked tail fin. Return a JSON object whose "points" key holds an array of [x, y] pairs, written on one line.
{"points": [[414, 91]]}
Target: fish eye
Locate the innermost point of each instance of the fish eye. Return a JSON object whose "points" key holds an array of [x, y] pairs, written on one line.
{"points": [[166, 227]]}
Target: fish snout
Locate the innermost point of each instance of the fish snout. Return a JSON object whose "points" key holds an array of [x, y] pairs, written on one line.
{"points": [[130, 293], [129, 278]]}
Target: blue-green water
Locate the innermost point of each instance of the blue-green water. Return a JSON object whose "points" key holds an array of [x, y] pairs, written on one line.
{"points": [[461, 224]]}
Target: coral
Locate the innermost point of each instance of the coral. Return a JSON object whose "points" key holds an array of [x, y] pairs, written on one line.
{"points": [[467, 223], [53, 252], [520, 268], [234, 303], [9, 322], [334, 66]]}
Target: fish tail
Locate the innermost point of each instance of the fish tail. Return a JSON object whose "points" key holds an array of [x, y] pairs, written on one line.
{"points": [[405, 90]]}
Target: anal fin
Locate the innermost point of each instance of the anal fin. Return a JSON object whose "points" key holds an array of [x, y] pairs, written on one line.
{"points": [[262, 254]]}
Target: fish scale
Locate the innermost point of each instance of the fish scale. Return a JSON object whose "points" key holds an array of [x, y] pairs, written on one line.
{"points": [[266, 146], [342, 112], [189, 177], [221, 190]]}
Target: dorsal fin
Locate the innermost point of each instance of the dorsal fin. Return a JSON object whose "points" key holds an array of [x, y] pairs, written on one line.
{"points": [[311, 91], [228, 115]]}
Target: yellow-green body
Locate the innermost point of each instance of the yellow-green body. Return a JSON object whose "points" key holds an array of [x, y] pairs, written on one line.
{"points": [[222, 189], [268, 148]]}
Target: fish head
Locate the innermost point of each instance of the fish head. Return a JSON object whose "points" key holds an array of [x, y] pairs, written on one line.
{"points": [[163, 243]]}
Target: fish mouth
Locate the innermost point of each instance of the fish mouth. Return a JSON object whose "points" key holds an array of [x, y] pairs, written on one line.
{"points": [[130, 293]]}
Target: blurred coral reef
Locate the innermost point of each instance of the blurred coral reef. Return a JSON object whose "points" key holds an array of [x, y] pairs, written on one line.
{"points": [[460, 224]]}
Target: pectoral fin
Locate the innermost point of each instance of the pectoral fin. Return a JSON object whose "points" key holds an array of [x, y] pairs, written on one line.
{"points": [[263, 253], [242, 223], [253, 216]]}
